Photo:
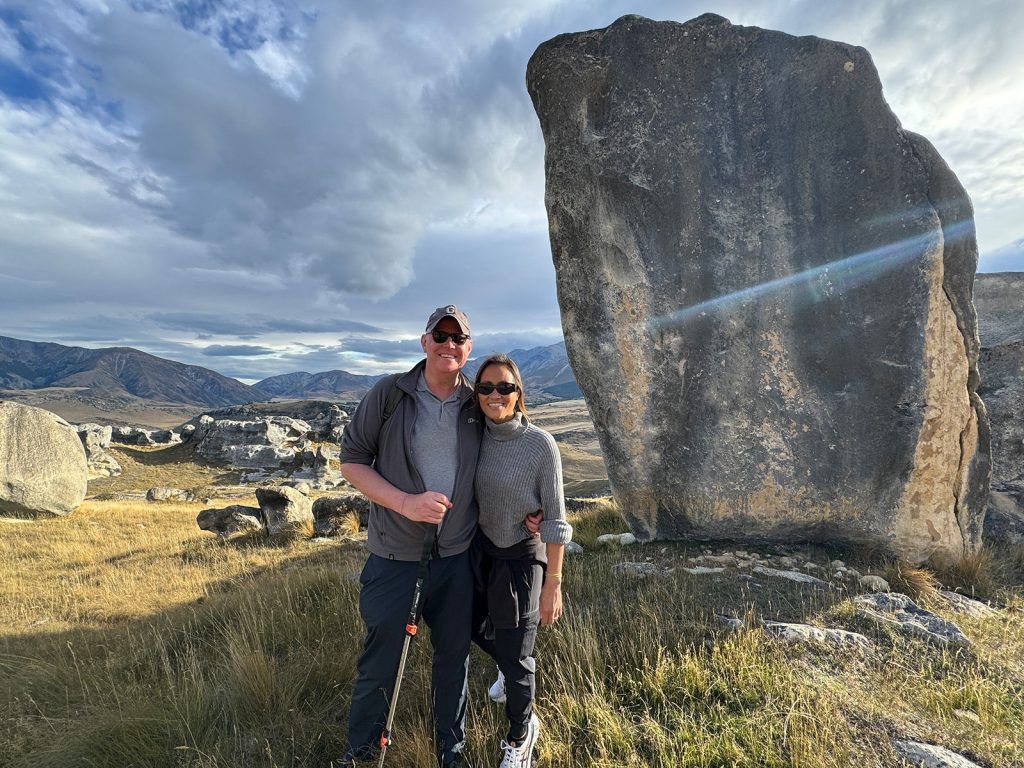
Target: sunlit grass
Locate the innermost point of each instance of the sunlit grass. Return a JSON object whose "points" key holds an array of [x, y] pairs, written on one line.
{"points": [[133, 639]]}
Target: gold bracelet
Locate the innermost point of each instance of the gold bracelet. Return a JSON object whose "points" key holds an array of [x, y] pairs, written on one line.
{"points": [[555, 575]]}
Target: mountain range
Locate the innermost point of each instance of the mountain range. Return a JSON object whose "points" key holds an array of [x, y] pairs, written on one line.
{"points": [[123, 379], [114, 371]]}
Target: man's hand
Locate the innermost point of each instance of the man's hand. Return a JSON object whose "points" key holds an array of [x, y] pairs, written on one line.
{"points": [[533, 522], [428, 507], [550, 602]]}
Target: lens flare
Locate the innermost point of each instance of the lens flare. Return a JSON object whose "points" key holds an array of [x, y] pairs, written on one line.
{"points": [[830, 279]]}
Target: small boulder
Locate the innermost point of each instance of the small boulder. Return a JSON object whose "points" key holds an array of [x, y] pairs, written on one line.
{"points": [[968, 606], [573, 548], [797, 576], [804, 633], [731, 623], [230, 521], [168, 494], [331, 513], [903, 614], [286, 512], [874, 583], [641, 569], [931, 756]]}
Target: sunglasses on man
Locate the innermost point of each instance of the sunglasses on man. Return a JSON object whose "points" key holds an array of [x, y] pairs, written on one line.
{"points": [[458, 339], [503, 387]]}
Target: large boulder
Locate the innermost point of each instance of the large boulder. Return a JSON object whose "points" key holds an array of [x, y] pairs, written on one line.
{"points": [[765, 286], [42, 462]]}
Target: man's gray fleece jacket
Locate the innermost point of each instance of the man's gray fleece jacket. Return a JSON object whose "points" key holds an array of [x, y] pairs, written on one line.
{"points": [[386, 446]]}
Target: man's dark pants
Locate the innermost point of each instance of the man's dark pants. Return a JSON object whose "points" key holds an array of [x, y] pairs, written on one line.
{"points": [[447, 606]]}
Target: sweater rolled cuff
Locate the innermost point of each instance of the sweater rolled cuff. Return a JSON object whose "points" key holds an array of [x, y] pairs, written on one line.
{"points": [[555, 532]]}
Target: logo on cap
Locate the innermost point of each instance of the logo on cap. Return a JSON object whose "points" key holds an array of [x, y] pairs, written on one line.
{"points": [[450, 309]]}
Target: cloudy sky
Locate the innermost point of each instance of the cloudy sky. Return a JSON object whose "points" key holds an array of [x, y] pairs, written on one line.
{"points": [[263, 186]]}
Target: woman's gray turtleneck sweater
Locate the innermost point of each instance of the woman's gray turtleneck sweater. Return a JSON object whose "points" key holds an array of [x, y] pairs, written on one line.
{"points": [[520, 471]]}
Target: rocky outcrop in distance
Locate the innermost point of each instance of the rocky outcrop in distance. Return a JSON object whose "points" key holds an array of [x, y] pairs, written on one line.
{"points": [[999, 298], [43, 469], [274, 445], [765, 286], [96, 440]]}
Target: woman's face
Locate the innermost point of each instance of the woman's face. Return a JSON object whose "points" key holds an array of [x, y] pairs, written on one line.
{"points": [[496, 406]]}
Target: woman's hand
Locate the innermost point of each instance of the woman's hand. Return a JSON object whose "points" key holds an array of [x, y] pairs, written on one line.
{"points": [[550, 601], [533, 522]]}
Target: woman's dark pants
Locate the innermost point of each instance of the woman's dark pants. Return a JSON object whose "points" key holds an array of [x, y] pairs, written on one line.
{"points": [[505, 618]]}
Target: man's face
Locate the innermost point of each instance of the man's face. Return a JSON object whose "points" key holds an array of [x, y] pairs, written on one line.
{"points": [[449, 357]]}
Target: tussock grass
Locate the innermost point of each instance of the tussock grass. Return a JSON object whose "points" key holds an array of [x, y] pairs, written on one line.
{"points": [[917, 582], [165, 647], [600, 516], [975, 573]]}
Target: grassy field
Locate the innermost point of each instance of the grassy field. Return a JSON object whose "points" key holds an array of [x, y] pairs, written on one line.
{"points": [[130, 638]]}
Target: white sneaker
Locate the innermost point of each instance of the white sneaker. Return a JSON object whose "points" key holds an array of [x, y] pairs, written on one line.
{"points": [[497, 690], [521, 755]]}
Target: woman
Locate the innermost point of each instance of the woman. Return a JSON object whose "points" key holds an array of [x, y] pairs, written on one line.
{"points": [[519, 471]]}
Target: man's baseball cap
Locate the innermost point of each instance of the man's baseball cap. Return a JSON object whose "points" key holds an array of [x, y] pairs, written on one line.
{"points": [[454, 313]]}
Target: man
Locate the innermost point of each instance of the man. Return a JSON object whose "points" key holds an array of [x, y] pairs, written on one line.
{"points": [[416, 464]]}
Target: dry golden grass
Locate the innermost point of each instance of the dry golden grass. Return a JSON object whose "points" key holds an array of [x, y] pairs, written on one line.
{"points": [[114, 561], [130, 638], [145, 467]]}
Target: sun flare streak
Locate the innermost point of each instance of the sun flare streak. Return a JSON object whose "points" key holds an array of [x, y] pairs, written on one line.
{"points": [[828, 279]]}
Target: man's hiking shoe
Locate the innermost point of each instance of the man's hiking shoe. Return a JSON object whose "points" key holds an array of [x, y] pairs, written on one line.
{"points": [[497, 690], [521, 755]]}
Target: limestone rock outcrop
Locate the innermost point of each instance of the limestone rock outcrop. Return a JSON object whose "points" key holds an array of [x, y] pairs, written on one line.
{"points": [[765, 286], [42, 462], [257, 444], [999, 298], [143, 436], [96, 439]]}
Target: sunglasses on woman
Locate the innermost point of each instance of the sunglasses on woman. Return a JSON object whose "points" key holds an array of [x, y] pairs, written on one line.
{"points": [[503, 387], [458, 339]]}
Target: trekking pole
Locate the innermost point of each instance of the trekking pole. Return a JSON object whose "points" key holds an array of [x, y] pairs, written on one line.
{"points": [[410, 630]]}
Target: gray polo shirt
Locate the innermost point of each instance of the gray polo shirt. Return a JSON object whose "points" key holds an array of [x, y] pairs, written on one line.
{"points": [[435, 439]]}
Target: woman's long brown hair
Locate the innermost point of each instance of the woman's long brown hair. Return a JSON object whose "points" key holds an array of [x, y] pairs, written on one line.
{"points": [[509, 363]]}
